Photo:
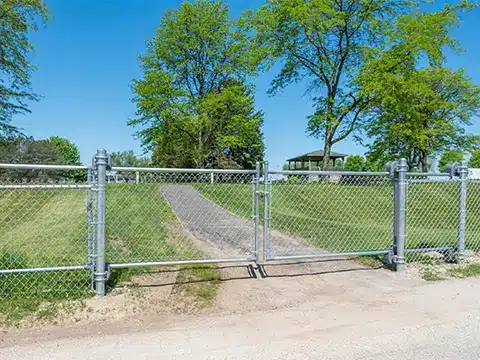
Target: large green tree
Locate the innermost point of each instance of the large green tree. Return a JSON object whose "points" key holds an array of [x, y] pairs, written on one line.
{"points": [[420, 113], [68, 152], [194, 104], [328, 43], [18, 18], [449, 156]]}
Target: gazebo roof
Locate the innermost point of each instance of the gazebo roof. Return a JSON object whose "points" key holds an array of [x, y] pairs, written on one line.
{"points": [[317, 156]]}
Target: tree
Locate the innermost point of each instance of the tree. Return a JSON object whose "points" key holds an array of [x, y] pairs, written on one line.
{"points": [[328, 43], [355, 163], [68, 152], [449, 157], [194, 104], [28, 151], [18, 18], [421, 112], [475, 159], [129, 159]]}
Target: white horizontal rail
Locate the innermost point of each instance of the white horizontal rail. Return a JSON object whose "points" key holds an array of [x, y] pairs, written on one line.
{"points": [[45, 186], [43, 167]]}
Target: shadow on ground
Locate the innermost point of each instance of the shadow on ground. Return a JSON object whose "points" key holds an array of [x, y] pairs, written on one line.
{"points": [[168, 277]]}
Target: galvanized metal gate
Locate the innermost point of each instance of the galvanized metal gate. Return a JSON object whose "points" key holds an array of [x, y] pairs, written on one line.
{"points": [[139, 217]]}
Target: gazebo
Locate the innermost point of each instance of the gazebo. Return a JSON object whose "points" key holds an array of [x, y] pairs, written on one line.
{"points": [[313, 160]]}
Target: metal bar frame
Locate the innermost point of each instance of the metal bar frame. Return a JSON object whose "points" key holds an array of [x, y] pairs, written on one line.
{"points": [[177, 170], [321, 172], [79, 186], [43, 167], [330, 255], [44, 269], [179, 262]]}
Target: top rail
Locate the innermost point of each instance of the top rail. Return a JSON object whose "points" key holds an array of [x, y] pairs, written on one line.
{"points": [[175, 170], [43, 167], [427, 174], [321, 172]]}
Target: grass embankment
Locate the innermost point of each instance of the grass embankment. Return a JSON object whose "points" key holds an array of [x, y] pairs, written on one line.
{"points": [[48, 227], [344, 217]]}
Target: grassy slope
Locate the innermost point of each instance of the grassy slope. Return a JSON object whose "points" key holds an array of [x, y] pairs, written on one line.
{"points": [[345, 217], [42, 228]]}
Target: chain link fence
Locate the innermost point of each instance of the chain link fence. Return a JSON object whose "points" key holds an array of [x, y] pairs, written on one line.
{"points": [[163, 216], [44, 231], [64, 228], [327, 214]]}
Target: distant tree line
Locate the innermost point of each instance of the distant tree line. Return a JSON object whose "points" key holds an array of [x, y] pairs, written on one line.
{"points": [[27, 150]]}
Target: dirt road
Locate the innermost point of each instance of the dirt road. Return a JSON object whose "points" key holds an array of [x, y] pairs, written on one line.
{"points": [[298, 312]]}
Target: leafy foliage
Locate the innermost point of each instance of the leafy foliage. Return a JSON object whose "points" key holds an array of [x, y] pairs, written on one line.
{"points": [[421, 112], [129, 159], [449, 157], [326, 43], [355, 163], [55, 151], [353, 54], [193, 103], [474, 161], [17, 19], [66, 150]]}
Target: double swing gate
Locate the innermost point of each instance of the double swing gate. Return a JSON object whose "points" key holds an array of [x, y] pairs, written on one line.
{"points": [[66, 229]]}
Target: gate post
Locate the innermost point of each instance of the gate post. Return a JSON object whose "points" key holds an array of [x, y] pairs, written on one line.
{"points": [[100, 270], [462, 210], [266, 211], [257, 212], [400, 194]]}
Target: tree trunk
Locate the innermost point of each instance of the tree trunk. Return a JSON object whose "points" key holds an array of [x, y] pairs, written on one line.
{"points": [[327, 147], [424, 160]]}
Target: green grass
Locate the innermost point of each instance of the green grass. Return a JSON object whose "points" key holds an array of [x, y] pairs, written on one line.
{"points": [[465, 271], [345, 217], [197, 284], [142, 227], [431, 275], [45, 228]]}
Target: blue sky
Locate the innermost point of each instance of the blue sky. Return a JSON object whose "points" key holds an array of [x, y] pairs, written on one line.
{"points": [[87, 56]]}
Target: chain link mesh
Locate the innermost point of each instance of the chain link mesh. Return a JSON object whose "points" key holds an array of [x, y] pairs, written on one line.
{"points": [[311, 214], [43, 224], [164, 216], [472, 233], [432, 213]]}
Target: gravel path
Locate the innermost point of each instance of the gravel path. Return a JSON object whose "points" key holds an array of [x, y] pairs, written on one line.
{"points": [[222, 233]]}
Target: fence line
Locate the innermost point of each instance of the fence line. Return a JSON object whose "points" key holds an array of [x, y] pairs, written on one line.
{"points": [[161, 216]]}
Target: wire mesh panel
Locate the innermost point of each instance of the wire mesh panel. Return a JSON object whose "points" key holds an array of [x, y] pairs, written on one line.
{"points": [[432, 215], [43, 232], [329, 213], [162, 216], [472, 233]]}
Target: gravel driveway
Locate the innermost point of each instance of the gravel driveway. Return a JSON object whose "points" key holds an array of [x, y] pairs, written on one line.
{"points": [[223, 233]]}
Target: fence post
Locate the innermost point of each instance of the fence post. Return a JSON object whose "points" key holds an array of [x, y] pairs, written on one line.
{"points": [[257, 212], [137, 177], [266, 210], [100, 271], [399, 214], [462, 210]]}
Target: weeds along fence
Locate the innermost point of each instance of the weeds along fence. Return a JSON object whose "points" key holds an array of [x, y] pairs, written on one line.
{"points": [[65, 229]]}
